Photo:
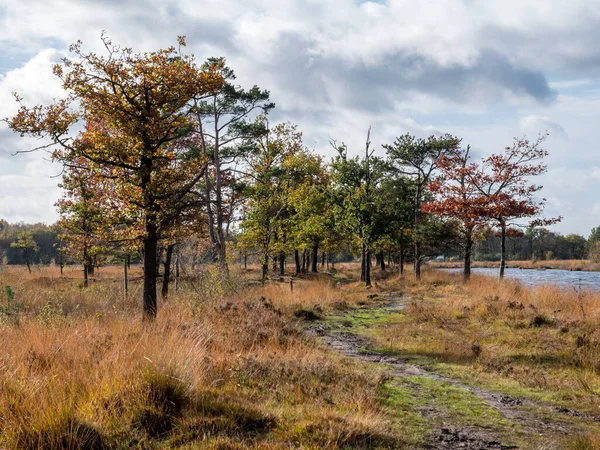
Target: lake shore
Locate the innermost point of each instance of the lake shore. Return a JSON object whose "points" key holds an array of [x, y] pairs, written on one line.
{"points": [[568, 264]]}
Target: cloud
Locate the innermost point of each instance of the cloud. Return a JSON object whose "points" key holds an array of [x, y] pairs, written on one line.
{"points": [[534, 125], [485, 71]]}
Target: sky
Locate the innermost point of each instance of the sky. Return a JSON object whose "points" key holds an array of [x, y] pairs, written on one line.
{"points": [[486, 71]]}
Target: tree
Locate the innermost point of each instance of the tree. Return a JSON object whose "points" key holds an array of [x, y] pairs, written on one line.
{"points": [[82, 214], [311, 211], [458, 197], [269, 180], [394, 217], [418, 158], [27, 245], [137, 114], [3, 231], [356, 181], [592, 241], [503, 180], [227, 132]]}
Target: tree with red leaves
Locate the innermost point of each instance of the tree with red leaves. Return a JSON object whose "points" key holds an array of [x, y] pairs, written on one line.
{"points": [[503, 181], [458, 197]]}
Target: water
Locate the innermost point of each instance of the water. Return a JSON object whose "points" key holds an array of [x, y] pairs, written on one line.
{"points": [[531, 277]]}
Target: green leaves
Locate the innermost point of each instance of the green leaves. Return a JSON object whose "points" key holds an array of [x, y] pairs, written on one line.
{"points": [[25, 242]]}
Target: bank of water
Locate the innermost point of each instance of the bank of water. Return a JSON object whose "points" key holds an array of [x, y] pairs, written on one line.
{"points": [[533, 277]]}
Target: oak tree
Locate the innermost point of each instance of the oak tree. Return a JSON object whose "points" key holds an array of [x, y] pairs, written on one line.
{"points": [[136, 110], [503, 180], [456, 196], [27, 245]]}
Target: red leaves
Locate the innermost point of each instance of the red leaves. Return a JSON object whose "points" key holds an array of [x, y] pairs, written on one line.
{"points": [[497, 188]]}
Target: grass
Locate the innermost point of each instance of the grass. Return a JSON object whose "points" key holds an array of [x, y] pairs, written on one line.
{"points": [[230, 366], [540, 343], [234, 370]]}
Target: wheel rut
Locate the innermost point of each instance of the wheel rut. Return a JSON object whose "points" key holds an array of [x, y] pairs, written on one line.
{"points": [[533, 418]]}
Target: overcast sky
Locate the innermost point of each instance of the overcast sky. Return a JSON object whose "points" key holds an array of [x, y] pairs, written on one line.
{"points": [[484, 70]]}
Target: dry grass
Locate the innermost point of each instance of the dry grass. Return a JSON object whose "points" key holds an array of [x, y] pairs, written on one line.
{"points": [[536, 341], [79, 370]]}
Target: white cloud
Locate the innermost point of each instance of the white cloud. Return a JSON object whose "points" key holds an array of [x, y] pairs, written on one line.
{"points": [[534, 125], [34, 82], [478, 70]]}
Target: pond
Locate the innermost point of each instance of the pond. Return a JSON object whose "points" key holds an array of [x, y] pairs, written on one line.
{"points": [[532, 277]]}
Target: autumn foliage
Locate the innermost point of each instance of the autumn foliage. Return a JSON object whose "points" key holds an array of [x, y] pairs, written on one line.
{"points": [[495, 192], [136, 111]]}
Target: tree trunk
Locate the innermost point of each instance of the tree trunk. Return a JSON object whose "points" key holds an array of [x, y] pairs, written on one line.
{"points": [[322, 260], [297, 261], [86, 263], [368, 269], [382, 261], [304, 261], [265, 267], [125, 279], [315, 259], [211, 215], [222, 254], [363, 263], [177, 270], [468, 248], [416, 230], [150, 271], [281, 264], [402, 260], [502, 250], [167, 272], [245, 260]]}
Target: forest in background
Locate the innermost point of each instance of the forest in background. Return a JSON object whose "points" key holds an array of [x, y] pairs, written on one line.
{"points": [[535, 244], [172, 162]]}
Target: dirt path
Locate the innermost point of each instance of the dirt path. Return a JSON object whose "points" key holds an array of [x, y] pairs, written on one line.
{"points": [[532, 418]]}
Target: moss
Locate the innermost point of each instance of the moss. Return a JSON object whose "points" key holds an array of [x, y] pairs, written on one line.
{"points": [[462, 405], [402, 402], [365, 318]]}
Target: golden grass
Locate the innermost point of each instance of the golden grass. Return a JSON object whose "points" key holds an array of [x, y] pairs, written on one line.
{"points": [[230, 367], [78, 369], [536, 341]]}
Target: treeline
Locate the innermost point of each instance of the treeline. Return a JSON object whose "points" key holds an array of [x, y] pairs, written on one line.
{"points": [[177, 163], [42, 243], [537, 244]]}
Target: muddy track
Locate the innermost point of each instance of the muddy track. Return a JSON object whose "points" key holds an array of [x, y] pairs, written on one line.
{"points": [[524, 412]]}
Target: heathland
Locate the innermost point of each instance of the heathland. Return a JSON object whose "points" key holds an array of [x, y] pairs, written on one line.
{"points": [[322, 362]]}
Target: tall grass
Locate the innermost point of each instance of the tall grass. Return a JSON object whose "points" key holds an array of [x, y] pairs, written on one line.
{"points": [[542, 341], [78, 369]]}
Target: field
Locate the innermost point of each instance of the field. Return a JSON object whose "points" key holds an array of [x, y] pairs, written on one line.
{"points": [[241, 365]]}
